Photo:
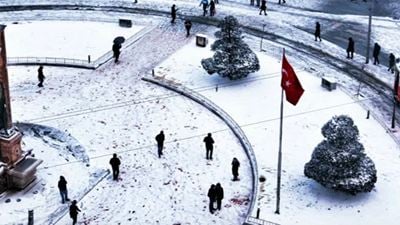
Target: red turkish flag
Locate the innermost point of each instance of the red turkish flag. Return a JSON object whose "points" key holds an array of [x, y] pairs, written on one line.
{"points": [[290, 83]]}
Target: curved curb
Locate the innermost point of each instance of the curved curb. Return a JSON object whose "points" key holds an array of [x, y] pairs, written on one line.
{"points": [[235, 128]]}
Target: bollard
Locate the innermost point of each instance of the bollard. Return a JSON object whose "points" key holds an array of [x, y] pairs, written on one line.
{"points": [[368, 114], [88, 58], [30, 217], [258, 213]]}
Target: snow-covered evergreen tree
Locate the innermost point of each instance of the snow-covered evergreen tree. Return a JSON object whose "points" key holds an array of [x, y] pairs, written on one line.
{"points": [[233, 58], [339, 161]]}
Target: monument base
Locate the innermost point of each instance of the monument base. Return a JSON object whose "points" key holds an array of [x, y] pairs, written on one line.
{"points": [[23, 173]]}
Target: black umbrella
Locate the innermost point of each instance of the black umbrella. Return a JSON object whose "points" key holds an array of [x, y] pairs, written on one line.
{"points": [[119, 40]]}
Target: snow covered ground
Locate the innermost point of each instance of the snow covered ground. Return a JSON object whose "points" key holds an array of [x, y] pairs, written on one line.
{"points": [[48, 39], [110, 110], [254, 103]]}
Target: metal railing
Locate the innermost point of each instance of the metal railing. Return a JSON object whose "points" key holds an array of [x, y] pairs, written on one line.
{"points": [[80, 63]]}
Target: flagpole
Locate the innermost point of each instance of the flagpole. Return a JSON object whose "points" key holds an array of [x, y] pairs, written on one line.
{"points": [[278, 185]]}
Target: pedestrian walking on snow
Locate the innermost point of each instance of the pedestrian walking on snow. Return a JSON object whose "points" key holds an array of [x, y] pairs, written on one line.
{"points": [[204, 3], [62, 187], [263, 7], [211, 196], [73, 212], [317, 33], [235, 169], [350, 48], [116, 48], [209, 141], [375, 53], [219, 195], [173, 13], [392, 59], [160, 143], [188, 26], [40, 76], [212, 8], [115, 162], [279, 2]]}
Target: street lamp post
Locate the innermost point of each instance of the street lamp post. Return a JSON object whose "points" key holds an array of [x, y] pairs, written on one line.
{"points": [[262, 37], [396, 94], [370, 9]]}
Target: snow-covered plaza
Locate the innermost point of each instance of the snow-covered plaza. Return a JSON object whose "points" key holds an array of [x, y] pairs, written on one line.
{"points": [[81, 117]]}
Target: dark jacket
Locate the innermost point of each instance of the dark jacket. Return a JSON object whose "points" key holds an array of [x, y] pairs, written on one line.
{"points": [[115, 162], [160, 138], [377, 50], [235, 165], [263, 5], [40, 73], [73, 210], [62, 185], [350, 47], [188, 24], [209, 141], [116, 48], [173, 11], [392, 59], [219, 192], [211, 193], [317, 29]]}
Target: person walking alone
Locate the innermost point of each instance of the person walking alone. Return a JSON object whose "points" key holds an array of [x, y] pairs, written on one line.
{"points": [[263, 7], [173, 13], [62, 187], [209, 141], [392, 60], [40, 76], [116, 48], [204, 3], [350, 48], [115, 162], [317, 33], [188, 26], [212, 8], [235, 169], [73, 212], [219, 195], [211, 196], [160, 143], [375, 53]]}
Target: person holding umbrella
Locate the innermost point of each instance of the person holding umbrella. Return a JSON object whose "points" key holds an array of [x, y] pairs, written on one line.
{"points": [[116, 48]]}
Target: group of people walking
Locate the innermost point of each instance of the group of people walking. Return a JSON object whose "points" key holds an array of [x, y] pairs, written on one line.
{"points": [[351, 48], [215, 194]]}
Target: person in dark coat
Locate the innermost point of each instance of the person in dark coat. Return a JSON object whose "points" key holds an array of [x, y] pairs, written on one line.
{"points": [[350, 48], [263, 7], [173, 13], [115, 162], [62, 187], [40, 76], [219, 195], [392, 59], [204, 3], [317, 33], [116, 50], [279, 2], [235, 169], [375, 53], [73, 212], [211, 196], [212, 8], [209, 141], [188, 26], [160, 143]]}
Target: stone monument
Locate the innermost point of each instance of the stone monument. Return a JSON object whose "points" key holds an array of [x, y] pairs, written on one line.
{"points": [[17, 168]]}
